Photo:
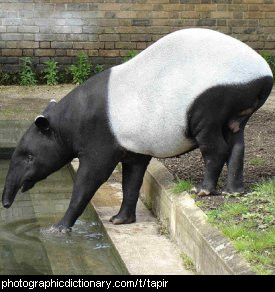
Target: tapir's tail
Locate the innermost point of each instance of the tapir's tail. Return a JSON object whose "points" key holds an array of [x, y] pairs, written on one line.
{"points": [[266, 89]]}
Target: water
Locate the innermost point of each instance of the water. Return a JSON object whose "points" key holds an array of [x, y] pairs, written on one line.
{"points": [[28, 247]]}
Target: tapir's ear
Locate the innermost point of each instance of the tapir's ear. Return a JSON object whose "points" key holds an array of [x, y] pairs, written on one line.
{"points": [[42, 123], [50, 105]]}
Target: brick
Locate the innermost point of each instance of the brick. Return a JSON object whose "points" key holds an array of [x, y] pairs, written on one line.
{"points": [[82, 37], [92, 53], [30, 29], [44, 52], [190, 1], [108, 22], [11, 36], [109, 37], [90, 29], [239, 7], [28, 52], [221, 22], [141, 22], [74, 53], [109, 45], [252, 1], [12, 21], [11, 52], [61, 45], [60, 52], [141, 46], [63, 60], [159, 30], [126, 14], [87, 45], [77, 7], [270, 45], [268, 7], [254, 7], [28, 45], [11, 44], [173, 7], [237, 22], [111, 6], [45, 45], [222, 1], [206, 22], [61, 29], [156, 7], [125, 45], [238, 15], [270, 15], [11, 28], [28, 36], [267, 22], [160, 14], [206, 7], [141, 38], [255, 14], [221, 14], [125, 37], [108, 53], [190, 14]]}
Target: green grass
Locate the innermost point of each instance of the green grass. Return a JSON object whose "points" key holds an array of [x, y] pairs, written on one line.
{"points": [[249, 222], [182, 186], [187, 262], [257, 161]]}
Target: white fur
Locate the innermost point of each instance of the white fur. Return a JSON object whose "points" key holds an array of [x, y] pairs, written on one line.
{"points": [[39, 116], [53, 100], [148, 97]]}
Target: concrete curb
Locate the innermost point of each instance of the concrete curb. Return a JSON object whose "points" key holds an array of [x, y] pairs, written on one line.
{"points": [[210, 251]]}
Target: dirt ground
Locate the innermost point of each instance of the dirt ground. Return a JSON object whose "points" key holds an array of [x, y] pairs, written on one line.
{"points": [[259, 161]]}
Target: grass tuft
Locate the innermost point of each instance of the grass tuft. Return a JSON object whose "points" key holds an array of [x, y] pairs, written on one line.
{"points": [[182, 186], [187, 262]]}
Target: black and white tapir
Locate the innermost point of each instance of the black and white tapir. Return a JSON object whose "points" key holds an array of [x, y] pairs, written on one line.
{"points": [[194, 88]]}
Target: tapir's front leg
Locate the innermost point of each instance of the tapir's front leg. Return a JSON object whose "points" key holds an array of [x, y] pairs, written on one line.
{"points": [[92, 173], [132, 178]]}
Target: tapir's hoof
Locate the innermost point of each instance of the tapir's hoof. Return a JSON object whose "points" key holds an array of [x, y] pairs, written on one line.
{"points": [[202, 192], [230, 191], [118, 219], [60, 229]]}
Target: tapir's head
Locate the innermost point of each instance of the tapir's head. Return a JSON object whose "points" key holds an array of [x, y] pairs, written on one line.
{"points": [[39, 153]]}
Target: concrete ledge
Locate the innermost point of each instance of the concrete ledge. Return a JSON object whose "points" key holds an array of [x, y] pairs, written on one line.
{"points": [[211, 252]]}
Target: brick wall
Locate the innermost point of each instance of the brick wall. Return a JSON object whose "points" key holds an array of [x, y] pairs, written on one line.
{"points": [[107, 29]]}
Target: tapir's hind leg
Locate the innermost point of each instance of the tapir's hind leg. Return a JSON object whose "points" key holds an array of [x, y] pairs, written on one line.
{"points": [[214, 150], [132, 177], [235, 160]]}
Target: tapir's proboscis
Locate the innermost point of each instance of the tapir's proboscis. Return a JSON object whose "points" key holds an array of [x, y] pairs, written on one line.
{"points": [[194, 88]]}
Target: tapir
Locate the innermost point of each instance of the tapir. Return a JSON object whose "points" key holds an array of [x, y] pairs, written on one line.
{"points": [[194, 88]]}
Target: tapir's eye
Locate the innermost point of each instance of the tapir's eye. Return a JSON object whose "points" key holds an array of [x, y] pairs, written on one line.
{"points": [[30, 158]]}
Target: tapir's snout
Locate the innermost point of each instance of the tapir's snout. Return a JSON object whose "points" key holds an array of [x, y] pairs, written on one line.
{"points": [[6, 204], [8, 195]]}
